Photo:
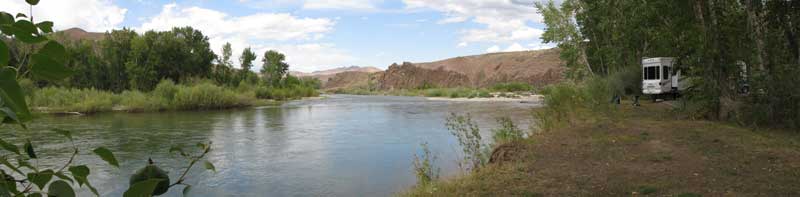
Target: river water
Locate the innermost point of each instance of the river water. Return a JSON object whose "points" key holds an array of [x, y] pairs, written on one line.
{"points": [[339, 146]]}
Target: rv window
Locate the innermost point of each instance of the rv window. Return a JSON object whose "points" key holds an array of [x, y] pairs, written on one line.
{"points": [[651, 73], [666, 72]]}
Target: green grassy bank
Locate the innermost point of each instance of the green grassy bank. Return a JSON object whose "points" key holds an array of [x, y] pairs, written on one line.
{"points": [[165, 96]]}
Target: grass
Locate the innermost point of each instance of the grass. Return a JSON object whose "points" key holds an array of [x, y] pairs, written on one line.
{"points": [[166, 96], [646, 150]]}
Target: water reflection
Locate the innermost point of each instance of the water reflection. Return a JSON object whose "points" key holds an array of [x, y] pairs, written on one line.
{"points": [[340, 146]]}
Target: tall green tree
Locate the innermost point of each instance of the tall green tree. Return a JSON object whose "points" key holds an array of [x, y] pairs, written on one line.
{"points": [[563, 30], [723, 46], [274, 67], [227, 52], [247, 58], [116, 50]]}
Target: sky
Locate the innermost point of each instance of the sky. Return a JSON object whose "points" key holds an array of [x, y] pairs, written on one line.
{"points": [[319, 34]]}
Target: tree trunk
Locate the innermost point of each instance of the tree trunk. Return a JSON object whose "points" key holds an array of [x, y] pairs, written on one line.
{"points": [[754, 21]]}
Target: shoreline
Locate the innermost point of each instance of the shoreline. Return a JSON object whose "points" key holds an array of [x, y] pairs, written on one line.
{"points": [[522, 99], [124, 109]]}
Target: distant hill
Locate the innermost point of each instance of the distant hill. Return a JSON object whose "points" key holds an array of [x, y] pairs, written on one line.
{"points": [[325, 75], [80, 34], [535, 67], [538, 68]]}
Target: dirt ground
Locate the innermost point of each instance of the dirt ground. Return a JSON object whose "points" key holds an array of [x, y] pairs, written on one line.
{"points": [[644, 152]]}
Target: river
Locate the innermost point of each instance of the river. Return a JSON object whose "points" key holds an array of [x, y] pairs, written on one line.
{"points": [[339, 146]]}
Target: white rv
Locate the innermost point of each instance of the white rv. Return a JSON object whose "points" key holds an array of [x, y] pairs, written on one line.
{"points": [[659, 78]]}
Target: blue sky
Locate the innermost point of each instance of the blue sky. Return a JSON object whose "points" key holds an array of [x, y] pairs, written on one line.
{"points": [[320, 34]]}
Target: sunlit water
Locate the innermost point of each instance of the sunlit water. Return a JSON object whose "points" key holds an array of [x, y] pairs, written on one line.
{"points": [[339, 146]]}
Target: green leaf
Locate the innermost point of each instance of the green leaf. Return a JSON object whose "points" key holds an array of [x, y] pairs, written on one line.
{"points": [[63, 132], [6, 18], [10, 117], [41, 179], [26, 32], [62, 176], [7, 187], [91, 188], [179, 149], [142, 188], [21, 15], [47, 69], [29, 150], [35, 195], [60, 189], [11, 93], [32, 2], [106, 155], [22, 162], [48, 63], [209, 166], [186, 190], [5, 162], [80, 173], [46, 27], [54, 51], [9, 147], [5, 54]]}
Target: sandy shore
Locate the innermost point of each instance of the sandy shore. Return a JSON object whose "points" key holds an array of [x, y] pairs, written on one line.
{"points": [[523, 99]]}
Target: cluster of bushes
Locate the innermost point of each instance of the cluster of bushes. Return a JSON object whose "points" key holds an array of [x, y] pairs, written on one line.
{"points": [[280, 93], [457, 93], [512, 87], [165, 96], [568, 101]]}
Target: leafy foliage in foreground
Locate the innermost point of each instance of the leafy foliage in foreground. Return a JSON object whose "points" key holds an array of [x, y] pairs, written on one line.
{"points": [[26, 177]]}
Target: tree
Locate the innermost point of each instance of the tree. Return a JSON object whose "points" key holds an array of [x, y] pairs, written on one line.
{"points": [[274, 67], [562, 29], [247, 58], [115, 50], [226, 55]]}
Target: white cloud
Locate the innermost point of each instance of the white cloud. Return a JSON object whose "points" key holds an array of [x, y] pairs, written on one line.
{"points": [[312, 56], [493, 49], [296, 37], [463, 44], [91, 15], [539, 46], [340, 4], [505, 21], [261, 26], [515, 47]]}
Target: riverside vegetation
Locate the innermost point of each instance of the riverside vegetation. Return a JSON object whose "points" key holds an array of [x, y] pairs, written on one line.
{"points": [[46, 62], [733, 132], [153, 71], [503, 90]]}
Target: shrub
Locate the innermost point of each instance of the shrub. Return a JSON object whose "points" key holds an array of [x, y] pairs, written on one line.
{"points": [[424, 168], [483, 94], [206, 96], [245, 87], [507, 131], [166, 89], [512, 87], [73, 100], [137, 101], [476, 154], [434, 92], [566, 102]]}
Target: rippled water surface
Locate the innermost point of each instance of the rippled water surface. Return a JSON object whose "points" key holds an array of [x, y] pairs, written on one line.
{"points": [[338, 146]]}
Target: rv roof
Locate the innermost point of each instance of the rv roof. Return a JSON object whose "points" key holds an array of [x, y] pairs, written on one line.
{"points": [[657, 60]]}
